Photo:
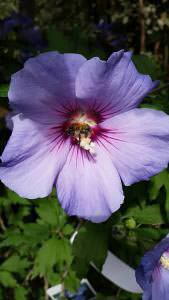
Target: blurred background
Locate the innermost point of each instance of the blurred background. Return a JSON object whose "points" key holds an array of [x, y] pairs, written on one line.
{"points": [[98, 27], [35, 252]]}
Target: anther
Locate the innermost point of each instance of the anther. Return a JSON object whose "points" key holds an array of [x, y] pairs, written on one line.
{"points": [[80, 129], [164, 260]]}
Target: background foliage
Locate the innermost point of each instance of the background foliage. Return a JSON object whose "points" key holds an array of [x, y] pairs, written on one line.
{"points": [[35, 235]]}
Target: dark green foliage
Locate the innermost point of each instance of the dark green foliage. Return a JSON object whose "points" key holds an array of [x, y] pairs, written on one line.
{"points": [[35, 248], [4, 90], [35, 242], [90, 235], [147, 65], [35, 235]]}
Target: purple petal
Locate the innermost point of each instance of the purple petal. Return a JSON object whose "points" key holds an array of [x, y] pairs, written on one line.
{"points": [[160, 285], [138, 143], [8, 120], [89, 187], [112, 86], [45, 88], [147, 295], [149, 263], [30, 161]]}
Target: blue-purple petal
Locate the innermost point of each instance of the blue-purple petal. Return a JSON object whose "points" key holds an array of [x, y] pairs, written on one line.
{"points": [[88, 187], [114, 85], [151, 275], [138, 143], [45, 88], [31, 160]]}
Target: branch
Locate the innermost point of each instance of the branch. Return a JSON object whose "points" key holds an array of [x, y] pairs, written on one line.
{"points": [[2, 225]]}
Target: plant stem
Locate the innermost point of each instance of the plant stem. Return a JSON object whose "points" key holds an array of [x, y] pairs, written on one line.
{"points": [[2, 225]]}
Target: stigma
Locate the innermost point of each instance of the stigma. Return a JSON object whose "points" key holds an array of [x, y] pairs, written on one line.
{"points": [[164, 260], [80, 128]]}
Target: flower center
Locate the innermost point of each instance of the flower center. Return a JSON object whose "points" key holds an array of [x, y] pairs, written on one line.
{"points": [[164, 260], [80, 128]]}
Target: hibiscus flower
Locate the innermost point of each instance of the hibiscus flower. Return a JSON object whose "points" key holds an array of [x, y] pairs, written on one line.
{"points": [[153, 272], [77, 128]]}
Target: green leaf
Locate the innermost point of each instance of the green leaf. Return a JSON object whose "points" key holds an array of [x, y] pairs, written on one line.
{"points": [[68, 229], [49, 211], [147, 65], [54, 251], [4, 90], [20, 293], [90, 245], [16, 218], [7, 279], [53, 278], [9, 197], [46, 258], [155, 105], [12, 238], [36, 233], [71, 282], [15, 264], [150, 214], [148, 233], [157, 182]]}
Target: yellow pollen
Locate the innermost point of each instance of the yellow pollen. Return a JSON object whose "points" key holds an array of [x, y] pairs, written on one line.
{"points": [[164, 260], [81, 130], [82, 118], [87, 144]]}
